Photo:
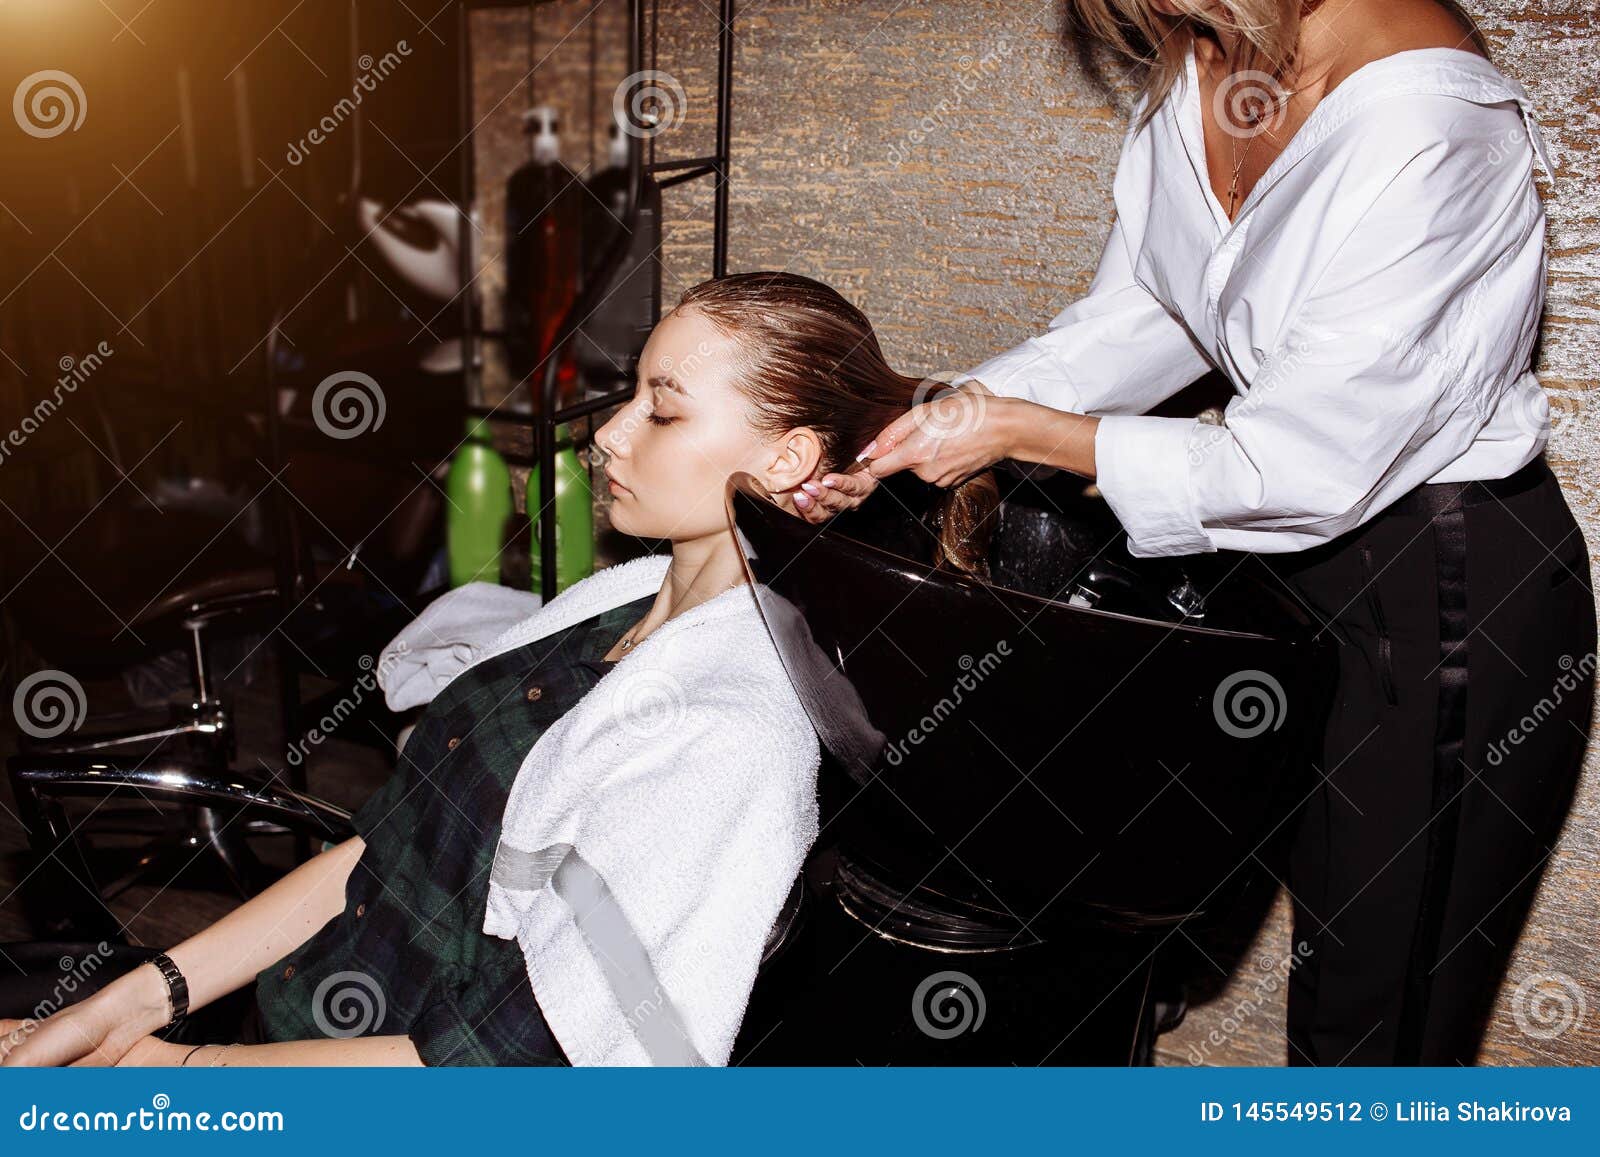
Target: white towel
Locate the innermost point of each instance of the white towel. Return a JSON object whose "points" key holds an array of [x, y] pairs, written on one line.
{"points": [[654, 830], [448, 636]]}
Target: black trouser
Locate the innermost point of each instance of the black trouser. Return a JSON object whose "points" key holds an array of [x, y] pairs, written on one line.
{"points": [[40, 977], [1466, 664]]}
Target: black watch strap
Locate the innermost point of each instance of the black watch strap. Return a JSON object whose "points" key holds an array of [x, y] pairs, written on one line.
{"points": [[177, 986]]}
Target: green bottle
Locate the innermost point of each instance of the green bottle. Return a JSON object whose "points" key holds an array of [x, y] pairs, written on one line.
{"points": [[478, 486], [574, 511]]}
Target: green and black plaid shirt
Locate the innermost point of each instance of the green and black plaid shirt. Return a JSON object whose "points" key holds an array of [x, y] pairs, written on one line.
{"points": [[408, 954]]}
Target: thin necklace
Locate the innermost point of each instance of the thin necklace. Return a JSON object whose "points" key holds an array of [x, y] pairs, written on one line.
{"points": [[628, 640], [1238, 164]]}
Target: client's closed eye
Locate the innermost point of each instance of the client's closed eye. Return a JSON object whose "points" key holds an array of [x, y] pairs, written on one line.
{"points": [[658, 420]]}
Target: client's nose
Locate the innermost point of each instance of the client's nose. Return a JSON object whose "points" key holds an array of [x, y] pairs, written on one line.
{"points": [[609, 439], [1032, 782]]}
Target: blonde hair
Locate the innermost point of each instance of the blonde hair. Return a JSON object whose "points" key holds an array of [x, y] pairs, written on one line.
{"points": [[1268, 31]]}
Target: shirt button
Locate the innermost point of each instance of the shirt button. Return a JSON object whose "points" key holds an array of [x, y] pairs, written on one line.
{"points": [[288, 971], [455, 741], [535, 692], [361, 910]]}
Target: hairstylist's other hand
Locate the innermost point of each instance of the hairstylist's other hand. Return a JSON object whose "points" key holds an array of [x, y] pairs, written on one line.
{"points": [[947, 440], [820, 499]]}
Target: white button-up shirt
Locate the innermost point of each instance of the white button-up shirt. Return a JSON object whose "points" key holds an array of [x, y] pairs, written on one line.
{"points": [[1374, 305]]}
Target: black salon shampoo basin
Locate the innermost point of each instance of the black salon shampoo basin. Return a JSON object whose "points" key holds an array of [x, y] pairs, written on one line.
{"points": [[1086, 740]]}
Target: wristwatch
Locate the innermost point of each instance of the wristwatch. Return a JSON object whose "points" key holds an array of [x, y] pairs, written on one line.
{"points": [[177, 986]]}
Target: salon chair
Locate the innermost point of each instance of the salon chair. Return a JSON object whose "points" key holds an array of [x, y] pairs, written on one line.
{"points": [[314, 544], [225, 593], [171, 580], [1030, 783], [109, 575]]}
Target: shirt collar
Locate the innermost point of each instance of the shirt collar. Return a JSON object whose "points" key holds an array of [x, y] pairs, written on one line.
{"points": [[1437, 71], [1451, 72]]}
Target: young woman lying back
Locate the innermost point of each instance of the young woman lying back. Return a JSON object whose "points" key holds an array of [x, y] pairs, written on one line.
{"points": [[600, 812]]}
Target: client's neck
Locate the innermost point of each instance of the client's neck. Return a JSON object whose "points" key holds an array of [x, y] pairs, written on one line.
{"points": [[701, 569]]}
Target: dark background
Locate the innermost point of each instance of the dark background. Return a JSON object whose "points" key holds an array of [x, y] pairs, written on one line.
{"points": [[171, 237]]}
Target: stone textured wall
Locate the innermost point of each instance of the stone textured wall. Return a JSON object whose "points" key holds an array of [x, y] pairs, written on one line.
{"points": [[947, 164]]}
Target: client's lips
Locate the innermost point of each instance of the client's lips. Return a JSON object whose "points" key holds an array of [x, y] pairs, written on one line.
{"points": [[612, 478]]}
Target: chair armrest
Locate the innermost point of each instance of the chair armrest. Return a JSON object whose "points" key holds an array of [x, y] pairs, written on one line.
{"points": [[35, 777]]}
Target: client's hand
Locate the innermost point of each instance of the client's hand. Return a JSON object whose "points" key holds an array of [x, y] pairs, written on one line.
{"points": [[822, 498], [100, 1029], [153, 1052]]}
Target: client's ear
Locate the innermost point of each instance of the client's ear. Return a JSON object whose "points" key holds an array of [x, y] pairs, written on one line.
{"points": [[793, 459]]}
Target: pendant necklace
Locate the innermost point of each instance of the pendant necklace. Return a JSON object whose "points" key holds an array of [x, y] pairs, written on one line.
{"points": [[627, 642], [1238, 165]]}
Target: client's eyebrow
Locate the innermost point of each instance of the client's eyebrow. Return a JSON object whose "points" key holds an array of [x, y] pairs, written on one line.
{"points": [[669, 384]]}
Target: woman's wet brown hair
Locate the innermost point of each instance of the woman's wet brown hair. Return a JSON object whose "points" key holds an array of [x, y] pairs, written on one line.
{"points": [[810, 358]]}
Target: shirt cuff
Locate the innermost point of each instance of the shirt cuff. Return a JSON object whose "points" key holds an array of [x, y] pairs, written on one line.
{"points": [[1142, 469]]}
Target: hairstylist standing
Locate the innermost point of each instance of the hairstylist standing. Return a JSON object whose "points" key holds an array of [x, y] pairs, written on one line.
{"points": [[1333, 203]]}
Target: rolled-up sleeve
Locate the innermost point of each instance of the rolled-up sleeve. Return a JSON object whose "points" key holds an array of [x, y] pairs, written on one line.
{"points": [[1114, 350], [1404, 344]]}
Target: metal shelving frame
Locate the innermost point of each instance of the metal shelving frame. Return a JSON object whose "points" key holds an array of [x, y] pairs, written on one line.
{"points": [[546, 416]]}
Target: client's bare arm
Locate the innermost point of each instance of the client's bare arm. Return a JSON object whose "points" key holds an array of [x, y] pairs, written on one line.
{"points": [[360, 1050], [101, 1028]]}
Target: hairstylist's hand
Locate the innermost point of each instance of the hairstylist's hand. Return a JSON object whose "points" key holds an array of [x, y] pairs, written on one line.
{"points": [[822, 498], [960, 433]]}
